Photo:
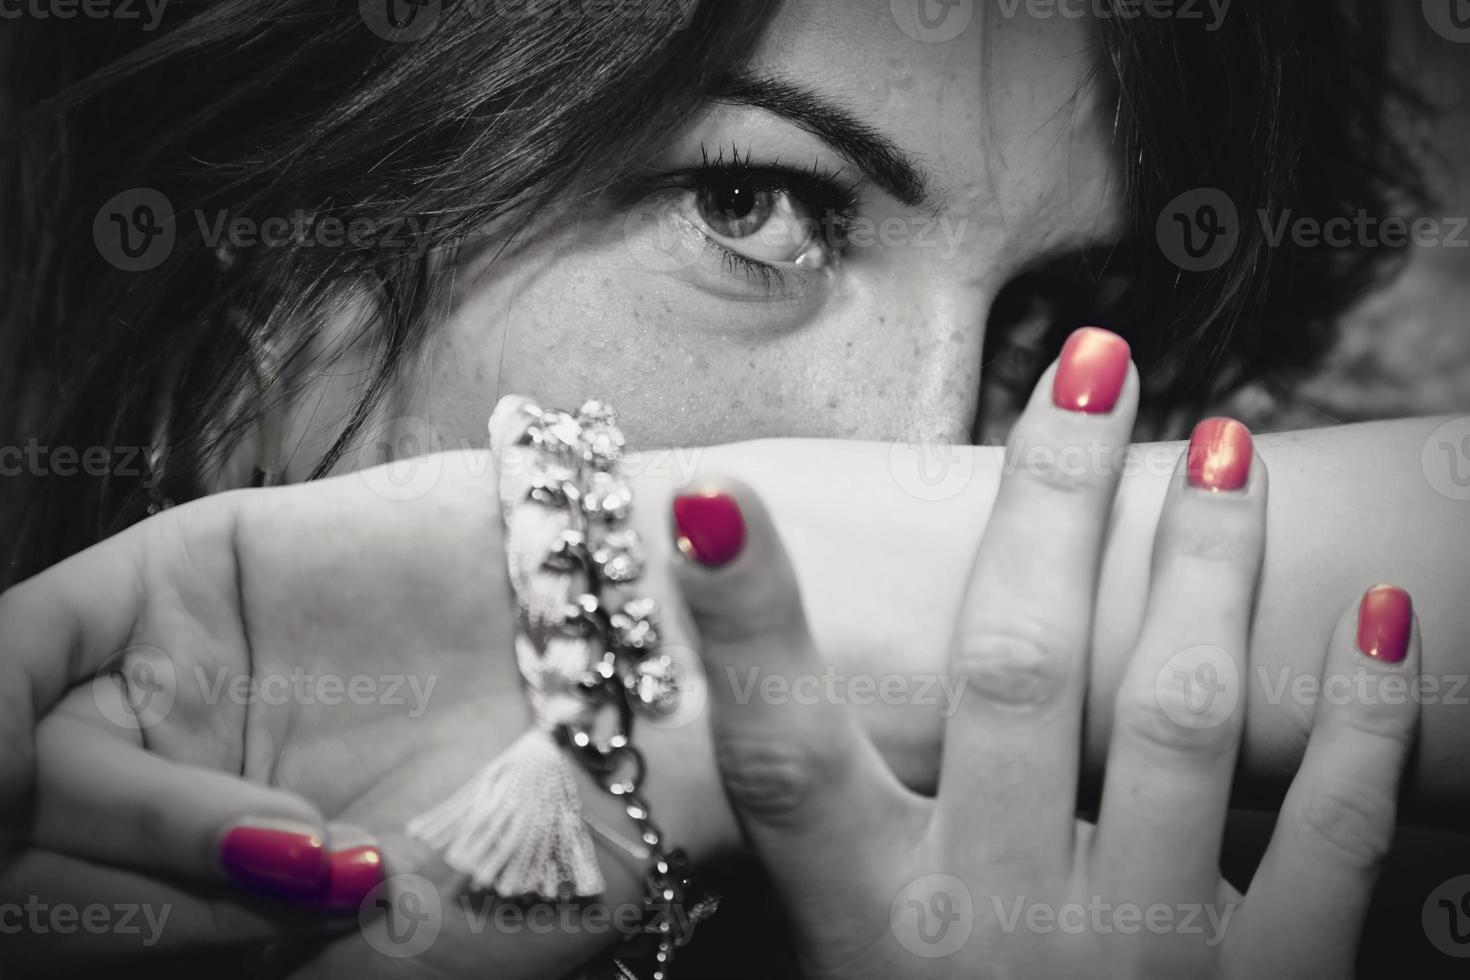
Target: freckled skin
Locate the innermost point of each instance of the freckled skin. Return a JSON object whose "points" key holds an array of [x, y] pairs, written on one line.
{"points": [[886, 343]]}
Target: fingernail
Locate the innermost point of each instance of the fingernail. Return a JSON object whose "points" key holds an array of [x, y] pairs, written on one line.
{"points": [[355, 872], [1090, 375], [275, 857], [1385, 618], [1220, 453], [710, 527]]}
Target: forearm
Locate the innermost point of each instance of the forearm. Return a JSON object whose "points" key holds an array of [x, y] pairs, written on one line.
{"points": [[883, 557]]}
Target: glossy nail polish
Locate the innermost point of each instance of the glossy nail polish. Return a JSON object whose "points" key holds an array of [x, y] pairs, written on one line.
{"points": [[1385, 619], [709, 527], [276, 858], [1091, 372], [355, 872], [1220, 454]]}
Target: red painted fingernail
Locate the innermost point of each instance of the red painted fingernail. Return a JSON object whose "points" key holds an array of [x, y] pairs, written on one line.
{"points": [[1090, 375], [275, 858], [1385, 618], [355, 873], [710, 527], [1220, 454]]}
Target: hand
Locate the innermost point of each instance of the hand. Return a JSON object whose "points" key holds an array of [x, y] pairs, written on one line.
{"points": [[323, 659], [995, 876]]}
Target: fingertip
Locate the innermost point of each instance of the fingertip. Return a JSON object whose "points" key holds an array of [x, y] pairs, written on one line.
{"points": [[709, 525], [1092, 372], [275, 858], [734, 571], [1385, 624]]}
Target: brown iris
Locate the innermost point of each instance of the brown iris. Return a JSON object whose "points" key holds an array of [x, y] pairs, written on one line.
{"points": [[735, 209]]}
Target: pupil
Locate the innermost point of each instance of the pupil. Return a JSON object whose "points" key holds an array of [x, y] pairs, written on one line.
{"points": [[736, 202]]}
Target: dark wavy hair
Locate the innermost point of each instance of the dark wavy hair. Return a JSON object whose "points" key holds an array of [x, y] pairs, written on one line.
{"points": [[273, 107]]}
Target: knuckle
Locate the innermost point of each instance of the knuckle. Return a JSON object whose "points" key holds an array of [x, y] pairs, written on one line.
{"points": [[737, 617], [1384, 715], [1212, 537], [1171, 722], [1356, 824], [1020, 662], [772, 778], [1060, 469]]}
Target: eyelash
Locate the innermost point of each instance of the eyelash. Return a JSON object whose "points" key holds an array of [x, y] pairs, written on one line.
{"points": [[818, 190]]}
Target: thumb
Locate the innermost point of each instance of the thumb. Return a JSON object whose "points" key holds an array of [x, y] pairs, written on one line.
{"points": [[810, 788]]}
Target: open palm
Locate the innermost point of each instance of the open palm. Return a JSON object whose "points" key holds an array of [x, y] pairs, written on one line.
{"points": [[347, 641]]}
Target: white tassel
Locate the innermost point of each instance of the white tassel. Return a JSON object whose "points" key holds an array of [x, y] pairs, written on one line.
{"points": [[516, 828]]}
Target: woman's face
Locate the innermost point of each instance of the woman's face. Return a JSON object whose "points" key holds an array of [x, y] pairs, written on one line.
{"points": [[831, 275]]}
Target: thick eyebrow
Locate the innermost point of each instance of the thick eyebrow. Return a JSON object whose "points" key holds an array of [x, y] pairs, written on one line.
{"points": [[857, 142]]}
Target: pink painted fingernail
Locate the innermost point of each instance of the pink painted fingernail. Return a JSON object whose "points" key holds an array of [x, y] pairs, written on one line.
{"points": [[709, 527], [1385, 620], [1091, 372], [277, 858], [355, 872], [1220, 454]]}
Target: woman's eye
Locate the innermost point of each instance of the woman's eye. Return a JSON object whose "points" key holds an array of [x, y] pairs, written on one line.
{"points": [[758, 223]]}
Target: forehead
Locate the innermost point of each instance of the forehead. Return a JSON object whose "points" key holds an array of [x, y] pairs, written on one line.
{"points": [[962, 86]]}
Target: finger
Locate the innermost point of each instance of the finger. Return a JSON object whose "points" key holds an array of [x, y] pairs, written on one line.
{"points": [[811, 790], [104, 800], [58, 911], [1306, 906], [61, 627], [1011, 747], [1179, 712]]}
